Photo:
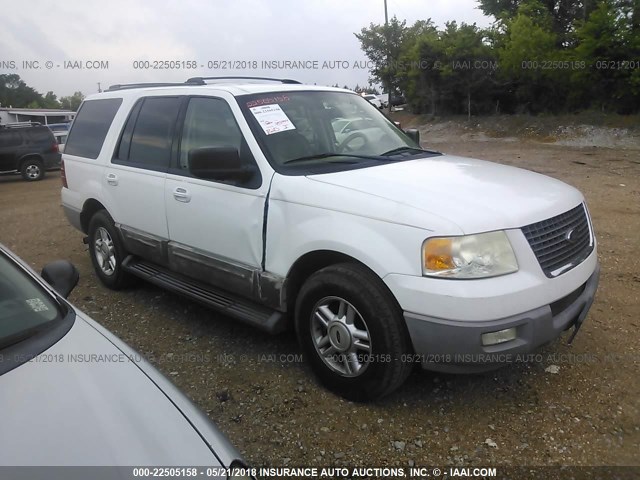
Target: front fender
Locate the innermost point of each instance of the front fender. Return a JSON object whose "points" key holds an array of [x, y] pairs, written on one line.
{"points": [[294, 230]]}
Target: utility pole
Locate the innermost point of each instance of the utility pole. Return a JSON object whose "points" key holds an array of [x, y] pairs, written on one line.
{"points": [[386, 35]]}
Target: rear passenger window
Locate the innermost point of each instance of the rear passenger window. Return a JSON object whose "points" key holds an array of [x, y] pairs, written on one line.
{"points": [[90, 127], [152, 136]]}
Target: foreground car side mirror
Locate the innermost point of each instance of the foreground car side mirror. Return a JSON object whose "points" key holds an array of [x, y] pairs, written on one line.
{"points": [[62, 275], [218, 163], [413, 134]]}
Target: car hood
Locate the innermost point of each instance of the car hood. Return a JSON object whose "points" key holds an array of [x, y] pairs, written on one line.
{"points": [[475, 195], [84, 402]]}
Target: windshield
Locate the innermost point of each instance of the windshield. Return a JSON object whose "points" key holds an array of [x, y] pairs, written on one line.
{"points": [[318, 127], [25, 308]]}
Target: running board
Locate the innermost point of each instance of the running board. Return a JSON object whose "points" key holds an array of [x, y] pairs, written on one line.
{"points": [[265, 319]]}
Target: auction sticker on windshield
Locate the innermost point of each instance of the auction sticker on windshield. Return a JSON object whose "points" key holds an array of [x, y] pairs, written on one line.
{"points": [[272, 119]]}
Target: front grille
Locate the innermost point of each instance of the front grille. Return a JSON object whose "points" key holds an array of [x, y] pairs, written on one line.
{"points": [[561, 241]]}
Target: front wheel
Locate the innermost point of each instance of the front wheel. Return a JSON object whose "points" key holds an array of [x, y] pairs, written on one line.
{"points": [[352, 332], [32, 170], [107, 252]]}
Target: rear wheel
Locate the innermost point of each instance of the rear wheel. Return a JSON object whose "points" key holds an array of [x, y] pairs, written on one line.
{"points": [[352, 332], [107, 252], [32, 169]]}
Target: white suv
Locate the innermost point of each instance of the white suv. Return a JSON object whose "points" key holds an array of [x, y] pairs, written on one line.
{"points": [[237, 193]]}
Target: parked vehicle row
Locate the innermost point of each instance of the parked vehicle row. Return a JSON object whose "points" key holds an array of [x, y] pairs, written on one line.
{"points": [[296, 206]]}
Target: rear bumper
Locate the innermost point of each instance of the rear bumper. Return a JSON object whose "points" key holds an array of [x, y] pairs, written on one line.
{"points": [[52, 161], [456, 346], [73, 216]]}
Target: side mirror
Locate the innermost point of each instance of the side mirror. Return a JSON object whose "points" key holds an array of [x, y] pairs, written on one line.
{"points": [[61, 275], [413, 134], [218, 163]]}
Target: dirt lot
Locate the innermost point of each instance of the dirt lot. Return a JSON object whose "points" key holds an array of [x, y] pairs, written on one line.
{"points": [[259, 392]]}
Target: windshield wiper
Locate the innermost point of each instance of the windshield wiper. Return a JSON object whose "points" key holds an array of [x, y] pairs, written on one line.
{"points": [[403, 150], [320, 156]]}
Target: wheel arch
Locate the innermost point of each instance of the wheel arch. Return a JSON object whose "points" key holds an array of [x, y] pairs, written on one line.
{"points": [[313, 261], [89, 209], [27, 157]]}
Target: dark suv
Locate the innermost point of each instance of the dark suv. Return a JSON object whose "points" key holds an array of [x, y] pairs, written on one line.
{"points": [[28, 149]]}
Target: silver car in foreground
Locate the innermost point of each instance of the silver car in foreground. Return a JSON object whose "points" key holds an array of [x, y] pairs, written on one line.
{"points": [[73, 394]]}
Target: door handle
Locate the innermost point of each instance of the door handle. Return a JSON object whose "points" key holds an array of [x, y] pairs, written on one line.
{"points": [[181, 194], [112, 179]]}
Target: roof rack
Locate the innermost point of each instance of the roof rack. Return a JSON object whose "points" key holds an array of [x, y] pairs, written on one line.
{"points": [[21, 124], [195, 81], [127, 86], [201, 80]]}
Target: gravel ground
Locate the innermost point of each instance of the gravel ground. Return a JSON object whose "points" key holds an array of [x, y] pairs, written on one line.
{"points": [[578, 405]]}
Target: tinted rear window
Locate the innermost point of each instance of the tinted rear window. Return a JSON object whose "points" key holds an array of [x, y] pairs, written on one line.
{"points": [[153, 132], [91, 126], [39, 135]]}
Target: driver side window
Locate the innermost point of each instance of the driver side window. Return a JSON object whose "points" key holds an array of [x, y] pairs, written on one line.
{"points": [[209, 122]]}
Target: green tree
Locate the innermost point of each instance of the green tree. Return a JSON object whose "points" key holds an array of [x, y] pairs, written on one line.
{"points": [[16, 93], [470, 66], [50, 100], [608, 41], [449, 71], [552, 55], [563, 14], [384, 45], [529, 59], [73, 102], [419, 76]]}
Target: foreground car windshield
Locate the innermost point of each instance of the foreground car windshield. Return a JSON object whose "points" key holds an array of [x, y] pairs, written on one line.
{"points": [[25, 309], [321, 128]]}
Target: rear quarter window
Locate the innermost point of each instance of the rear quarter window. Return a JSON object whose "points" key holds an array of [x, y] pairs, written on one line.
{"points": [[90, 127], [39, 135]]}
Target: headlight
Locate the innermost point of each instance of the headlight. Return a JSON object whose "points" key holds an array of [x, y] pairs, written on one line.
{"points": [[470, 256]]}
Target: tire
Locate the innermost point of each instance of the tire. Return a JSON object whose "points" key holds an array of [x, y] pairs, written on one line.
{"points": [[107, 252], [346, 308], [32, 169]]}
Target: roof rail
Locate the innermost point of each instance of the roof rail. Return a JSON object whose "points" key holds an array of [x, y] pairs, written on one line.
{"points": [[21, 124], [128, 86], [201, 80], [194, 81]]}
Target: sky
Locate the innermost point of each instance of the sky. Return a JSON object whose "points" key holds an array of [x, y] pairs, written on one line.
{"points": [[120, 41]]}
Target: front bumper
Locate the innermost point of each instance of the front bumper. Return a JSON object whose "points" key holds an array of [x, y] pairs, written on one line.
{"points": [[456, 346]]}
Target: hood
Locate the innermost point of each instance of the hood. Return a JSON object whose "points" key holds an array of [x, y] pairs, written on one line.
{"points": [[475, 195], [85, 403]]}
